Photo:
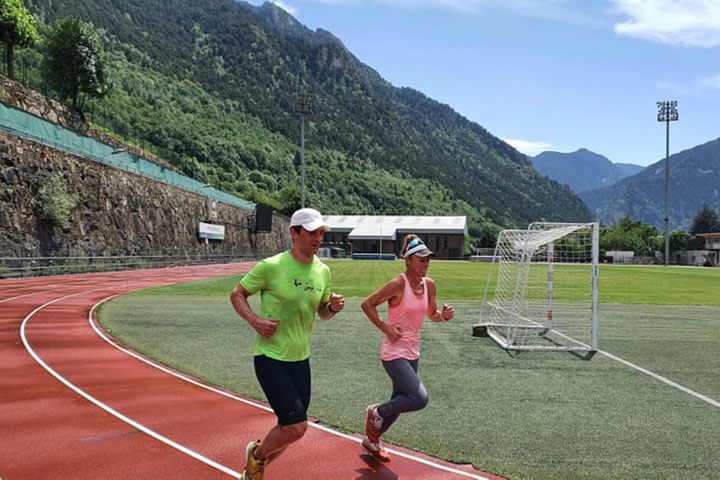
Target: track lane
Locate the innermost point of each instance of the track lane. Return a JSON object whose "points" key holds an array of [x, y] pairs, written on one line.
{"points": [[51, 432]]}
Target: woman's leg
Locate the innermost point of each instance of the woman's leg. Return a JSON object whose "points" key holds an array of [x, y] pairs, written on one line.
{"points": [[409, 394]]}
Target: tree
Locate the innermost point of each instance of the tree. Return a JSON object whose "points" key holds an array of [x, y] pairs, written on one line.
{"points": [[630, 235], [17, 28], [74, 61], [484, 236], [680, 240], [705, 221]]}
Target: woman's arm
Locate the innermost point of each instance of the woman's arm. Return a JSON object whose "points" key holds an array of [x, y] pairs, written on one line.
{"points": [[433, 313], [391, 290]]}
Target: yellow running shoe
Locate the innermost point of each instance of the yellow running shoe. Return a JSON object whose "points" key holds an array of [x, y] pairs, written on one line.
{"points": [[254, 468]]}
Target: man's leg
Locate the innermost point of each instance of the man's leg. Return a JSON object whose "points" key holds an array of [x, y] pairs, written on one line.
{"points": [[278, 439], [287, 387]]}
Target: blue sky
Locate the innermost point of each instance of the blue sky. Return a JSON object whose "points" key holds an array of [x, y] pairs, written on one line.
{"points": [[547, 74]]}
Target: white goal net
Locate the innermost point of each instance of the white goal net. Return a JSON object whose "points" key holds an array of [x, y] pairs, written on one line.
{"points": [[542, 289]]}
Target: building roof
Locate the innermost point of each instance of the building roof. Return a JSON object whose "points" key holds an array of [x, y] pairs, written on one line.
{"points": [[709, 235], [388, 227]]}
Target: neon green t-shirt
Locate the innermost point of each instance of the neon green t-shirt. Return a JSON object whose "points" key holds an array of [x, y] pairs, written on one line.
{"points": [[290, 292]]}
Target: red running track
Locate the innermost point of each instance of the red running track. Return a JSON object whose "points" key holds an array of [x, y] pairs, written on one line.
{"points": [[74, 405]]}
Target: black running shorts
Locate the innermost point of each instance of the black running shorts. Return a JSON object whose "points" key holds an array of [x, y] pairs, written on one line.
{"points": [[286, 386]]}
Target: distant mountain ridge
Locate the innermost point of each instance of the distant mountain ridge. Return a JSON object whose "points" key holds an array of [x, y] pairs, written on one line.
{"points": [[694, 182], [628, 169], [582, 170]]}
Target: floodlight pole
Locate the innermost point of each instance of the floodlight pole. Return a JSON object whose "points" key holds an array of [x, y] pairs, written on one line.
{"points": [[667, 112], [303, 108]]}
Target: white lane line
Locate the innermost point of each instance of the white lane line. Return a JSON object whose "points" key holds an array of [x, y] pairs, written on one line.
{"points": [[640, 369], [188, 379], [667, 381], [654, 375], [10, 299], [107, 408], [398, 453], [64, 287]]}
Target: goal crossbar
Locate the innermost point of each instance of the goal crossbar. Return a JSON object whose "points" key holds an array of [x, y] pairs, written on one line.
{"points": [[528, 243]]}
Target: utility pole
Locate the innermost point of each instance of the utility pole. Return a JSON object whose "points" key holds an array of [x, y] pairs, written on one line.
{"points": [[667, 112], [303, 107]]}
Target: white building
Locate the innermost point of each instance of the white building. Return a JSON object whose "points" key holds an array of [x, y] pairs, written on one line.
{"points": [[712, 243], [381, 236]]}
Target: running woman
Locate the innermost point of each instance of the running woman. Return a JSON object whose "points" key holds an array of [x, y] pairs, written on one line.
{"points": [[410, 297]]}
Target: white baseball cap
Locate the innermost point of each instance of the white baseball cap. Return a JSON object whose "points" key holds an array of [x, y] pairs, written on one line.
{"points": [[308, 218]]}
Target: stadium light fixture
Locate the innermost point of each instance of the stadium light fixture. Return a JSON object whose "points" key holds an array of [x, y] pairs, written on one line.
{"points": [[667, 112]]}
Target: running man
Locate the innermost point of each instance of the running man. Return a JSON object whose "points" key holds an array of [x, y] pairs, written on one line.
{"points": [[294, 286]]}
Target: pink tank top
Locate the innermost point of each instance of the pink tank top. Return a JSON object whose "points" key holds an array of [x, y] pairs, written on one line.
{"points": [[408, 315]]}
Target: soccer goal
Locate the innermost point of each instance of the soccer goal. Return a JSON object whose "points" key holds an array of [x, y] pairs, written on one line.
{"points": [[542, 289]]}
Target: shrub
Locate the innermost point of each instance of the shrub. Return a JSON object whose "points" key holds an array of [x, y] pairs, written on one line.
{"points": [[54, 201]]}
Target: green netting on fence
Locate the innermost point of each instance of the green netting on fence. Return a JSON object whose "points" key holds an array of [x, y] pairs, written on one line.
{"points": [[23, 124]]}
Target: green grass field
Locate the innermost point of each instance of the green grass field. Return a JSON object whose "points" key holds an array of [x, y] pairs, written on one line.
{"points": [[527, 416]]}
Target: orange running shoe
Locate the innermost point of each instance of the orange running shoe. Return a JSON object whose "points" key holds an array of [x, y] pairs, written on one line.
{"points": [[373, 423], [376, 450]]}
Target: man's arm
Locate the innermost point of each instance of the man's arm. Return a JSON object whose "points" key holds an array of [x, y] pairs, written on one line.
{"points": [[327, 310], [263, 326]]}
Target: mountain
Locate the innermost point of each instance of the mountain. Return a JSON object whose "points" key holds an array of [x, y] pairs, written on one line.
{"points": [[582, 170], [694, 182], [285, 23], [212, 87], [628, 169]]}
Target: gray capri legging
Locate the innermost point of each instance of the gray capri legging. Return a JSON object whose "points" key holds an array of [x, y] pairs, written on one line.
{"points": [[408, 394]]}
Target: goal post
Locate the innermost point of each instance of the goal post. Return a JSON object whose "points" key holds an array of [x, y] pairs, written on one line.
{"points": [[542, 288]]}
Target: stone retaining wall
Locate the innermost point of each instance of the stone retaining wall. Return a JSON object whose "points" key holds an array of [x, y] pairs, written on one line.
{"points": [[116, 212]]}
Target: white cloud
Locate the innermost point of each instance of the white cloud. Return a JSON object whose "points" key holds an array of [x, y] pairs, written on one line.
{"points": [[692, 23], [527, 147]]}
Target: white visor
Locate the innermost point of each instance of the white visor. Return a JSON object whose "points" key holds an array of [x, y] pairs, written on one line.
{"points": [[420, 250]]}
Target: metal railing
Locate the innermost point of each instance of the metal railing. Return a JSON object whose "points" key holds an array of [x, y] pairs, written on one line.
{"points": [[14, 267]]}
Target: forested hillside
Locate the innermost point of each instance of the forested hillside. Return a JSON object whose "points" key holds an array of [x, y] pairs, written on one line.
{"points": [[211, 86], [694, 180]]}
